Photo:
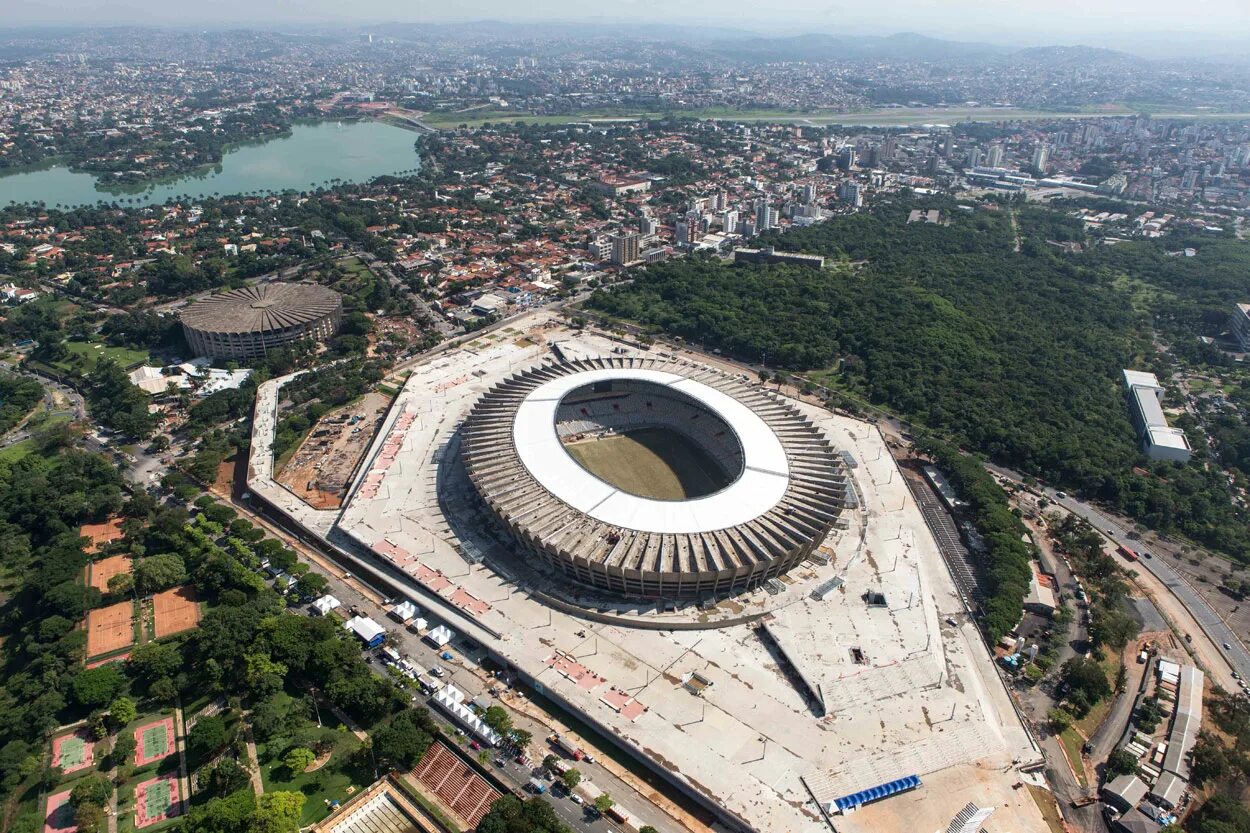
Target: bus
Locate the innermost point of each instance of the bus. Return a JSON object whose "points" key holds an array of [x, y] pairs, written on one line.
{"points": [[1129, 555]]}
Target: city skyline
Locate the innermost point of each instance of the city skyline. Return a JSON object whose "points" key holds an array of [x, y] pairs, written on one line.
{"points": [[1218, 28]]}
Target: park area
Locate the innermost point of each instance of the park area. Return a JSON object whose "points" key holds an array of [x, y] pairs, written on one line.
{"points": [[110, 629], [334, 776], [174, 611]]}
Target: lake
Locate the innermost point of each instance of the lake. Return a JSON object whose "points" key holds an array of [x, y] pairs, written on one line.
{"points": [[311, 156]]}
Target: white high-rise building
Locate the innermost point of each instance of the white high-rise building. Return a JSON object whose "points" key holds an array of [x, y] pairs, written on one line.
{"points": [[1041, 157], [764, 216], [809, 194], [729, 221], [852, 193], [994, 157]]}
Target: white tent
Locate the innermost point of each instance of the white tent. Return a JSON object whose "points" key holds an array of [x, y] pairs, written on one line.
{"points": [[440, 636], [404, 611], [451, 700], [325, 604]]}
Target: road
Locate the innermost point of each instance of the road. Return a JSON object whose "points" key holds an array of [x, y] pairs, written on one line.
{"points": [[1221, 660]]}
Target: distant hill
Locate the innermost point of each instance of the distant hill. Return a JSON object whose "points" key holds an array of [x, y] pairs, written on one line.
{"points": [[822, 47]]}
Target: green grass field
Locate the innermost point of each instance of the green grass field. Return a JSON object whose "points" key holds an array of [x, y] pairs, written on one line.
{"points": [[83, 355], [17, 451], [157, 798], [652, 463]]}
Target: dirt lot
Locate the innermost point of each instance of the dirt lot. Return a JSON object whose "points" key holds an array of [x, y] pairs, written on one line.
{"points": [[320, 470]]}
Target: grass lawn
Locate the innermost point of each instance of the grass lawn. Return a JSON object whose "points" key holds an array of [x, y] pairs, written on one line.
{"points": [[84, 355], [329, 783], [17, 451], [1072, 743]]}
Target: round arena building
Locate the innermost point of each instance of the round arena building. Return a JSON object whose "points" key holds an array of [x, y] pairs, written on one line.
{"points": [[652, 478], [248, 322]]}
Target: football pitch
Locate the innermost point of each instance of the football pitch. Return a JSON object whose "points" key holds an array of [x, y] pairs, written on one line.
{"points": [[652, 463]]}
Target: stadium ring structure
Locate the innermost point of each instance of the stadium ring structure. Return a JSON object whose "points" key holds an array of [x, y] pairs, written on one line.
{"points": [[248, 322], [781, 488]]}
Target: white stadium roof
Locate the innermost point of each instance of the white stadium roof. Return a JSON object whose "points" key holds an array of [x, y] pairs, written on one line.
{"points": [[763, 483]]}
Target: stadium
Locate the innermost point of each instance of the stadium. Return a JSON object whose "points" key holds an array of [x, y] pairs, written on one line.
{"points": [[247, 322], [652, 478]]}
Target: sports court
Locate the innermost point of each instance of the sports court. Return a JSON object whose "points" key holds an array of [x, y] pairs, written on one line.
{"points": [[175, 610], [99, 535], [104, 569], [651, 462], [156, 800], [110, 628], [154, 741], [72, 752], [59, 817]]}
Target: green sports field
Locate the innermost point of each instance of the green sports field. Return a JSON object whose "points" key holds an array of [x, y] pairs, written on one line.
{"points": [[157, 800], [652, 463]]}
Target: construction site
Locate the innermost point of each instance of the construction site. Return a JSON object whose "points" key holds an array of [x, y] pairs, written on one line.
{"points": [[850, 692], [322, 466]]}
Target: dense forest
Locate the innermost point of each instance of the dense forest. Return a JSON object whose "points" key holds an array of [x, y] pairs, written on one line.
{"points": [[18, 395], [1012, 353]]}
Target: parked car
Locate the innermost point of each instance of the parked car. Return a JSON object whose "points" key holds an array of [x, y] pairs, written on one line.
{"points": [[475, 746], [437, 671], [576, 799]]}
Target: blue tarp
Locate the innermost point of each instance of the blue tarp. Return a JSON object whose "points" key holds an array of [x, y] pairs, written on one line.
{"points": [[850, 802]]}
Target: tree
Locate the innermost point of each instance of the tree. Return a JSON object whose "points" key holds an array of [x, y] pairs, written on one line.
{"points": [[521, 738], [153, 661], [206, 737], [298, 759], [89, 818], [224, 777], [159, 572], [498, 719], [97, 686], [571, 778], [230, 814], [1122, 762], [122, 711], [401, 742], [646, 828], [310, 585], [94, 789], [1086, 683], [121, 584], [604, 802], [276, 812], [1059, 719], [164, 690], [549, 763], [123, 749]]}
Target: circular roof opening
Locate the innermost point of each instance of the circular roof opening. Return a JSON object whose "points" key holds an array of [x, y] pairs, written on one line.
{"points": [[648, 440]]}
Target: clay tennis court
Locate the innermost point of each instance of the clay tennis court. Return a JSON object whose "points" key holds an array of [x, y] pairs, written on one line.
{"points": [[110, 628], [175, 611], [98, 535], [154, 741], [156, 800], [104, 569]]}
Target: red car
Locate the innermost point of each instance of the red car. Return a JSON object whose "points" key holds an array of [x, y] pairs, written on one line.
{"points": [[475, 746]]}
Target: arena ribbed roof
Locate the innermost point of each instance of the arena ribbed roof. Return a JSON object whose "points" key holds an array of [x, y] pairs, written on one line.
{"points": [[261, 308]]}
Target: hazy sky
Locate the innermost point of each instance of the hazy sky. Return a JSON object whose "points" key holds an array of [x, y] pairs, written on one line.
{"points": [[1017, 21]]}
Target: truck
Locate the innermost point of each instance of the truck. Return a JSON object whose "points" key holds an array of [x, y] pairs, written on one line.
{"points": [[1129, 555], [566, 746], [537, 787]]}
